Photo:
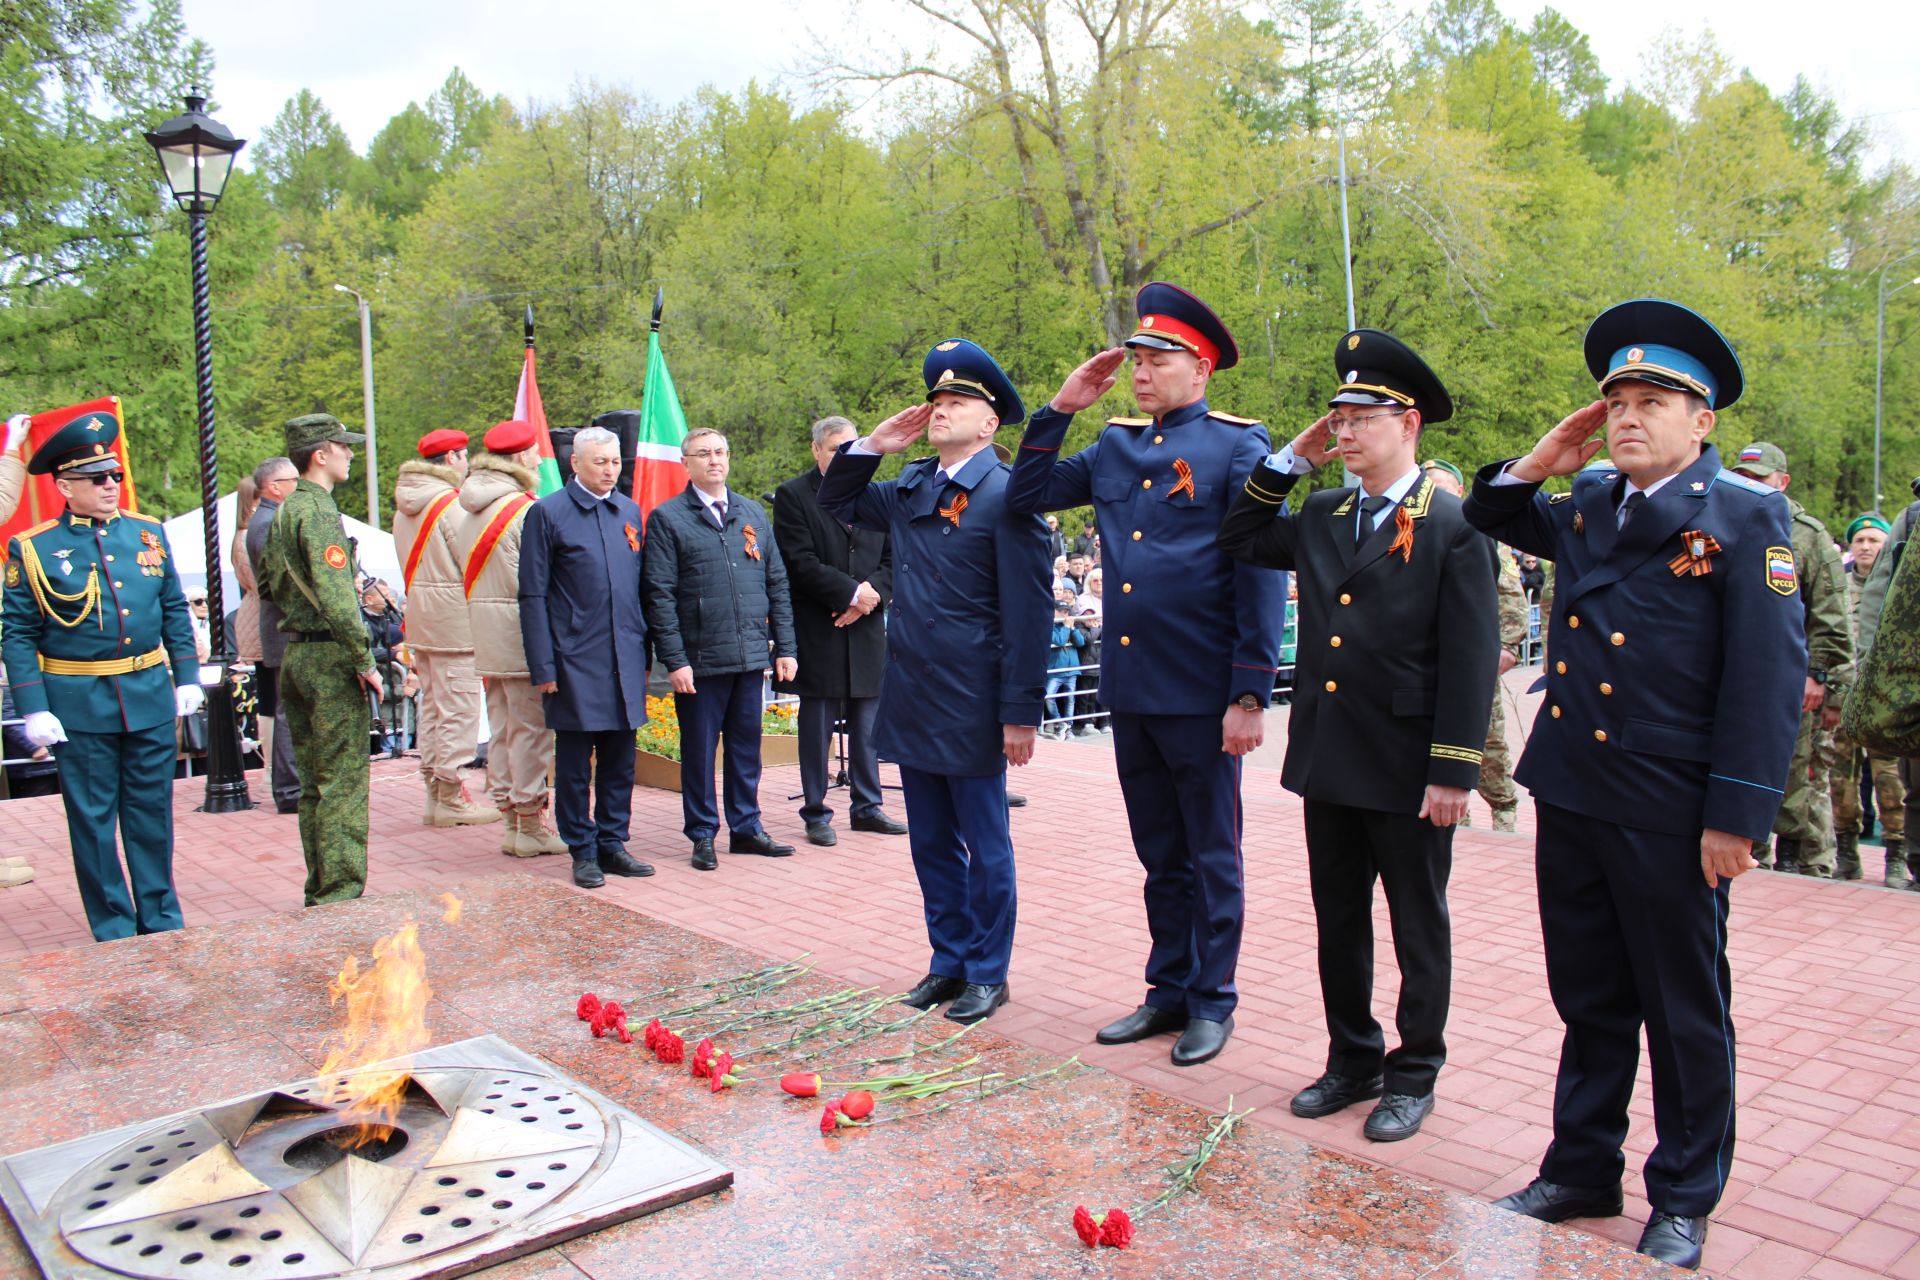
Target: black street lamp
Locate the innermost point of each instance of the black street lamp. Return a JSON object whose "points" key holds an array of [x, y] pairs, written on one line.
{"points": [[196, 154]]}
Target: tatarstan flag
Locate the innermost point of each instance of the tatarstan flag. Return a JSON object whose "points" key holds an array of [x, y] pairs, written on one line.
{"points": [[527, 408], [658, 472]]}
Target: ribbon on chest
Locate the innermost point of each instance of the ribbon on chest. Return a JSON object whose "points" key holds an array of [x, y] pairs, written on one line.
{"points": [[1696, 550], [753, 542], [953, 509]]}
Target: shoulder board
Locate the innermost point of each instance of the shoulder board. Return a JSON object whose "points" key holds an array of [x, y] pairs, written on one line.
{"points": [[925, 463], [1129, 422], [1810, 520], [40, 528], [1735, 478], [141, 515], [1234, 418], [1558, 497]]}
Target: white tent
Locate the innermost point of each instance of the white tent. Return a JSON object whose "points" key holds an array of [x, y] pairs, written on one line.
{"points": [[187, 537]]}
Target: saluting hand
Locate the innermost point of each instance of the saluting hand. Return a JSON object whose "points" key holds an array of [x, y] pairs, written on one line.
{"points": [[1567, 448], [1315, 445], [1089, 382], [1724, 855], [1016, 740], [17, 428], [901, 430]]}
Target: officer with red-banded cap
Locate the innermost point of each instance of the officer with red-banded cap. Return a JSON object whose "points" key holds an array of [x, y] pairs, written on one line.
{"points": [[1190, 645]]}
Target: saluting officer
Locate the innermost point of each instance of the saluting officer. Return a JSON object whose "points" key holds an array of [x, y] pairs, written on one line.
{"points": [[1399, 645], [100, 653], [1189, 649], [1678, 660], [960, 698]]}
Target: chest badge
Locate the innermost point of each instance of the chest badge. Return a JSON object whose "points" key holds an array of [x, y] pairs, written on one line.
{"points": [[152, 557], [953, 509], [1696, 550], [753, 543], [633, 536], [1182, 480]]}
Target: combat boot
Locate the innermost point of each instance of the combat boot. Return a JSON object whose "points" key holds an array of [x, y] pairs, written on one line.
{"points": [[1506, 819], [13, 875], [430, 817], [1846, 858], [1896, 876], [1786, 855], [531, 836], [455, 808]]}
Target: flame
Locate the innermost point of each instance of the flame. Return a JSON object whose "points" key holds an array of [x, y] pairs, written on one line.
{"points": [[452, 904], [386, 1008]]}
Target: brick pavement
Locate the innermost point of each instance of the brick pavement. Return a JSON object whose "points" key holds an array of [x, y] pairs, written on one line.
{"points": [[1827, 1178]]}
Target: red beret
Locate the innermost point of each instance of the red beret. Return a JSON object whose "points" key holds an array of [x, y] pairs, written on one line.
{"points": [[510, 436], [445, 440]]}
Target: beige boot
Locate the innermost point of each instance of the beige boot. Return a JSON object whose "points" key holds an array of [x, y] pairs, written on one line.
{"points": [[13, 860], [12, 877], [431, 816], [536, 837], [455, 808]]}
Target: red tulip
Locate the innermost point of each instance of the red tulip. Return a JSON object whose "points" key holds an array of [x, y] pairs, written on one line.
{"points": [[1117, 1229], [858, 1104], [803, 1084], [588, 1006], [1085, 1227]]}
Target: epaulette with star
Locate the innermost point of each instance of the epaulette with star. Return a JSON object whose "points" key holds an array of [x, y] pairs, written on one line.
{"points": [[40, 528], [141, 515]]}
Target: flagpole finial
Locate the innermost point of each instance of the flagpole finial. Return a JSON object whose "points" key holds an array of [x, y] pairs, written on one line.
{"points": [[659, 305], [529, 324]]}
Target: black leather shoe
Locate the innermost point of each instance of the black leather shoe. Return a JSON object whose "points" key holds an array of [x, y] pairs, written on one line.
{"points": [[618, 862], [1016, 801], [1202, 1040], [1333, 1092], [759, 842], [703, 859], [1552, 1202], [1672, 1238], [1397, 1116], [932, 990], [1147, 1020], [822, 833], [587, 875], [286, 806], [978, 1001], [880, 822]]}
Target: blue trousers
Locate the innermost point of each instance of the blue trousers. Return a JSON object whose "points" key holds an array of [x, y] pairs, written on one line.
{"points": [[1634, 936], [123, 780], [1183, 807], [601, 764], [727, 705], [963, 855]]}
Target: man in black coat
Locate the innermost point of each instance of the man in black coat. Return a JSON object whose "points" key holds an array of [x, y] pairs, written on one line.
{"points": [[1398, 645], [273, 480], [840, 578]]}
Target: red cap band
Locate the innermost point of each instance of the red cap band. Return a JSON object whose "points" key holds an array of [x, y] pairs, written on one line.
{"points": [[1180, 333]]}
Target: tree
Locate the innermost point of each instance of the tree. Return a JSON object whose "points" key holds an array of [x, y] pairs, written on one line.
{"points": [[305, 156]]}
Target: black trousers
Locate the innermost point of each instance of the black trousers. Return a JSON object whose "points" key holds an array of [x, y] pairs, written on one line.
{"points": [[283, 775], [1347, 850], [816, 756], [1635, 937]]}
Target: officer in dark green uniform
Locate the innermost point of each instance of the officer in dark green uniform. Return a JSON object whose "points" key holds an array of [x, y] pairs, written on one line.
{"points": [[307, 570], [100, 653]]}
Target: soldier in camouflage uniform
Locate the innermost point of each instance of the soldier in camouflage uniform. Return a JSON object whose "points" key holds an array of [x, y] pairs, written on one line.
{"points": [[1873, 597], [1803, 830], [1865, 536], [1496, 763], [308, 571]]}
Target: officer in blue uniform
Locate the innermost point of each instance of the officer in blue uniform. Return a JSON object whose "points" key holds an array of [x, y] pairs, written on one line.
{"points": [[100, 653], [1659, 756], [960, 697], [1190, 646]]}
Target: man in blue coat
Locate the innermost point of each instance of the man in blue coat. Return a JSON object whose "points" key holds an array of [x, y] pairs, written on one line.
{"points": [[1660, 755], [966, 658], [1189, 648], [586, 640]]}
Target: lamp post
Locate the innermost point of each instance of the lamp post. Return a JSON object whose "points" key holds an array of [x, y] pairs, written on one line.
{"points": [[196, 156], [366, 403], [1879, 359]]}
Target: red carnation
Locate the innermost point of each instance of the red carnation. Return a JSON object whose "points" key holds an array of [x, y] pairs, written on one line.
{"points": [[858, 1104], [702, 1057], [801, 1084], [588, 1006], [1117, 1229], [670, 1048], [613, 1012], [1085, 1227], [626, 1036], [652, 1033], [829, 1119], [599, 1025], [719, 1071]]}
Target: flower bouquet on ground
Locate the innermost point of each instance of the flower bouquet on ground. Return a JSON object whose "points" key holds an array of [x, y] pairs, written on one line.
{"points": [[1115, 1227]]}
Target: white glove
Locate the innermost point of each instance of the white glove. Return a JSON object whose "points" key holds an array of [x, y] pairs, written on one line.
{"points": [[16, 431], [44, 729], [187, 699]]}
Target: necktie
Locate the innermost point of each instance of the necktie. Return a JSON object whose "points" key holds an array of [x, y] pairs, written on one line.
{"points": [[1631, 505], [720, 514], [940, 480], [1370, 509]]}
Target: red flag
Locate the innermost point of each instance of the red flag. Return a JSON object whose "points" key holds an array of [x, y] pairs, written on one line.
{"points": [[527, 408], [40, 500]]}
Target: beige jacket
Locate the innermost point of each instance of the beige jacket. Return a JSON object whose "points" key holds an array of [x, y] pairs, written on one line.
{"points": [[13, 483], [436, 599], [494, 606]]}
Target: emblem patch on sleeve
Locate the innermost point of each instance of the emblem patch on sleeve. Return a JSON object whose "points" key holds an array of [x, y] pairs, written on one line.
{"points": [[1781, 575], [13, 573], [337, 557]]}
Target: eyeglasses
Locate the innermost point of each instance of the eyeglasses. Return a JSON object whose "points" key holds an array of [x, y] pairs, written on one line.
{"points": [[197, 604], [704, 454], [100, 478], [1360, 421]]}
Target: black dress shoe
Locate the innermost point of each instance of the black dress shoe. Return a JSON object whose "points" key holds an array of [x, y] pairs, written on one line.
{"points": [[1397, 1116], [1202, 1040], [703, 859], [1552, 1202], [759, 842], [618, 862], [880, 822], [587, 875], [286, 806], [978, 1001], [1672, 1238], [932, 990], [1016, 801], [1333, 1092], [822, 833], [1147, 1020]]}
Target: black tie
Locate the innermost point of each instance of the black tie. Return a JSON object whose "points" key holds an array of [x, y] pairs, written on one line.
{"points": [[1631, 505], [940, 481], [1370, 509], [720, 514]]}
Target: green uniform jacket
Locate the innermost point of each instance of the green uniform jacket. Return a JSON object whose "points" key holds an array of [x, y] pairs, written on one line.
{"points": [[1874, 594], [307, 570], [1823, 586], [96, 591]]}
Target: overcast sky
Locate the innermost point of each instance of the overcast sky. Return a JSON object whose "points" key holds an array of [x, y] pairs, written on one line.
{"points": [[368, 58]]}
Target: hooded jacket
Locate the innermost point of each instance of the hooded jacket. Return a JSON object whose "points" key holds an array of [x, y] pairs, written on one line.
{"points": [[436, 600], [493, 608]]}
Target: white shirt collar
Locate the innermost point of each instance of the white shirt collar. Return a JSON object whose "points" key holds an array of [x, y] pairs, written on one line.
{"points": [[712, 504], [1398, 490], [1650, 490]]}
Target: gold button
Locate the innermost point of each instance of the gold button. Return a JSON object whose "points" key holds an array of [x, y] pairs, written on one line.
{"points": [[1136, 535], [128, 640], [109, 559], [1345, 598], [1573, 622], [1617, 638], [125, 612], [1599, 735], [1126, 588], [118, 583], [1561, 667], [1146, 484], [1554, 711], [1335, 642], [1332, 685], [1606, 690], [1125, 640], [1158, 439]]}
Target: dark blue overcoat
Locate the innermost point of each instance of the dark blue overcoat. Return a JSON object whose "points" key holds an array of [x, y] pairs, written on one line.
{"points": [[580, 612]]}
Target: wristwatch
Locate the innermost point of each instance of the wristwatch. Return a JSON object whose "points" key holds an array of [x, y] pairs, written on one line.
{"points": [[1817, 675], [1248, 702]]}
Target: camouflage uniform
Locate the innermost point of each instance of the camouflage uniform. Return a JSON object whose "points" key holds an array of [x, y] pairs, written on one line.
{"points": [[308, 572], [1873, 596], [1496, 764], [1844, 762]]}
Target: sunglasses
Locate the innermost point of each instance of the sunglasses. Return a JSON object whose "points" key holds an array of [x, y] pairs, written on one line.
{"points": [[100, 478]]}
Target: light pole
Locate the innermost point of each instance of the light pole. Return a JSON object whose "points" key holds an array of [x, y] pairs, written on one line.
{"points": [[366, 402], [1879, 359], [196, 156]]}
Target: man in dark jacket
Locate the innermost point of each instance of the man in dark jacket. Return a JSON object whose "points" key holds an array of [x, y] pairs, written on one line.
{"points": [[586, 640], [274, 480], [841, 579], [716, 594]]}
